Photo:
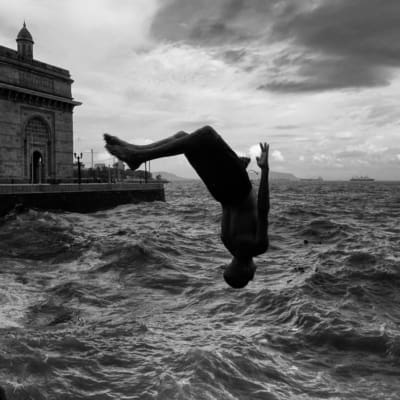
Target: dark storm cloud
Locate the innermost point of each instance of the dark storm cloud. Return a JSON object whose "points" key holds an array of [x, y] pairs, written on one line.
{"points": [[357, 41], [334, 44], [210, 22], [327, 74], [234, 56], [367, 30]]}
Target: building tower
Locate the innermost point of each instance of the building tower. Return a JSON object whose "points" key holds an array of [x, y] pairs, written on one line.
{"points": [[25, 43], [36, 124]]}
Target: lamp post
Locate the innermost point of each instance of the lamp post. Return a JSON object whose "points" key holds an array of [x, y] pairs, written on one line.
{"points": [[79, 158]]}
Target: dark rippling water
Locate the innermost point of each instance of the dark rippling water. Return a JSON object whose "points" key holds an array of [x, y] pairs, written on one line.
{"points": [[130, 303]]}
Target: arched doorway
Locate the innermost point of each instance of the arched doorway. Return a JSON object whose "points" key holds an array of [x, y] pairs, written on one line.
{"points": [[37, 167], [38, 150]]}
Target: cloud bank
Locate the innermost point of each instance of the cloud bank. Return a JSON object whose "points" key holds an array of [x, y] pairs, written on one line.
{"points": [[318, 79]]}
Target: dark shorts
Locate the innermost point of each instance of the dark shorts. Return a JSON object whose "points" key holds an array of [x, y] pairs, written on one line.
{"points": [[221, 170]]}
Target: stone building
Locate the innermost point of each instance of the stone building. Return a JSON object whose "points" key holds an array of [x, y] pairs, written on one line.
{"points": [[36, 105]]}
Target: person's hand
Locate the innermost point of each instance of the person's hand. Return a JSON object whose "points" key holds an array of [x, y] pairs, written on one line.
{"points": [[262, 161]]}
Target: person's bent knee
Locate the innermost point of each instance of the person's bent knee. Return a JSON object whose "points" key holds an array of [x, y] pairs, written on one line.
{"points": [[209, 129], [209, 132]]}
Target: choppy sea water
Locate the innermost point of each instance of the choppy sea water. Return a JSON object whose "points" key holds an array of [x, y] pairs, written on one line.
{"points": [[130, 303]]}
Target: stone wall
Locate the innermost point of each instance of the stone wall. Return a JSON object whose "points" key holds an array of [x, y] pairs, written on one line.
{"points": [[32, 89], [77, 198], [11, 156], [14, 151], [33, 74], [64, 144]]}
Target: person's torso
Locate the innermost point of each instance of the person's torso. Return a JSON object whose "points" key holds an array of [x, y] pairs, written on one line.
{"points": [[239, 227]]}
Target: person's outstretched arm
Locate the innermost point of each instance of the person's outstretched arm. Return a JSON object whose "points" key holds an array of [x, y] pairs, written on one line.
{"points": [[263, 199]]}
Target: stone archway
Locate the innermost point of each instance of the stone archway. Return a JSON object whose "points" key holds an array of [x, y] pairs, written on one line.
{"points": [[37, 167], [37, 150]]}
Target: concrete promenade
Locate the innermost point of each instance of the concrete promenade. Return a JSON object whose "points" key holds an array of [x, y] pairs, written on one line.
{"points": [[75, 187], [86, 197]]}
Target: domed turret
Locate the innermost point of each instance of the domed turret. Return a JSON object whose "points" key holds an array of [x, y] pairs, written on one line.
{"points": [[25, 43]]}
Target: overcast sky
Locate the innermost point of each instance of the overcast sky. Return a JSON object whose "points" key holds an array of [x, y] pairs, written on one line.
{"points": [[318, 79]]}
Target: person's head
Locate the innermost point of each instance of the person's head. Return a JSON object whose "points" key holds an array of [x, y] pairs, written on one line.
{"points": [[239, 272], [245, 161]]}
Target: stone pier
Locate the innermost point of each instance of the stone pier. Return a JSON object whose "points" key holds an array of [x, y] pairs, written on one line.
{"points": [[84, 198]]}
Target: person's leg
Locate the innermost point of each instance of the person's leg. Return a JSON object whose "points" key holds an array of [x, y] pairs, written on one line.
{"points": [[215, 162], [218, 166], [113, 140], [133, 154], [179, 143]]}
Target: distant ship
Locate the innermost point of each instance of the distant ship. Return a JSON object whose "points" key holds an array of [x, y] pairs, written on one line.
{"points": [[361, 179], [319, 179]]}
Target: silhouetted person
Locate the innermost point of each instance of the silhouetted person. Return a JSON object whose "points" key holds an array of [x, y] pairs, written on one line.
{"points": [[245, 214]]}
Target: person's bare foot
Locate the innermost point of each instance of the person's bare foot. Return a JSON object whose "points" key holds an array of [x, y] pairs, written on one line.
{"points": [[123, 151], [115, 140]]}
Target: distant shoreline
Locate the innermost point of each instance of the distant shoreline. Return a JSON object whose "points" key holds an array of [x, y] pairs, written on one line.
{"points": [[301, 181]]}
